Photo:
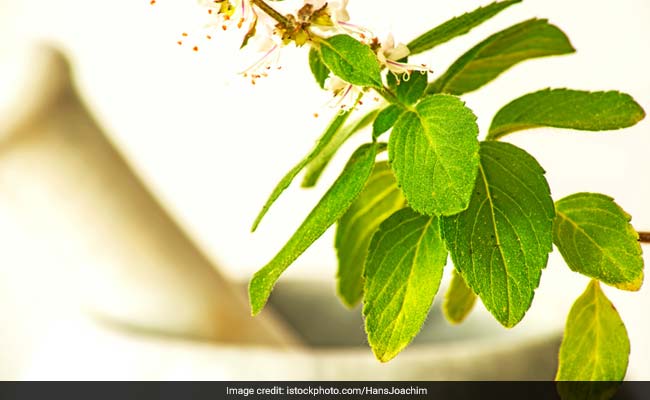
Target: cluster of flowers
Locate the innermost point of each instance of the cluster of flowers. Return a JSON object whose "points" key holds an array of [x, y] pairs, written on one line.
{"points": [[322, 18]]}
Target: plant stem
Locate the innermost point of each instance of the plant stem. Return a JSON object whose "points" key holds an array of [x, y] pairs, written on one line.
{"points": [[644, 237], [273, 13]]}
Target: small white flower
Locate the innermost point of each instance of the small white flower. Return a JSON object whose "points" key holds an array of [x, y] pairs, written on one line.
{"points": [[346, 95], [338, 21], [222, 14], [389, 55], [260, 36], [267, 43], [338, 9]]}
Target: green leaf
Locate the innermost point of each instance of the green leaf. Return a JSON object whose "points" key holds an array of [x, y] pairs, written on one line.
{"points": [[487, 60], [565, 108], [595, 345], [434, 152], [379, 199], [403, 271], [386, 119], [318, 68], [457, 26], [328, 210], [351, 60], [410, 90], [500, 244], [284, 183], [392, 79], [316, 166], [459, 299], [596, 239]]}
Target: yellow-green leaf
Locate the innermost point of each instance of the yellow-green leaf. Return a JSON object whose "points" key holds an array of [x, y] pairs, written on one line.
{"points": [[328, 210], [321, 145], [595, 347], [351, 60], [596, 239], [433, 150], [569, 109], [457, 26], [411, 87], [496, 54], [318, 68], [386, 119], [402, 276], [379, 199], [500, 244], [459, 299], [317, 165]]}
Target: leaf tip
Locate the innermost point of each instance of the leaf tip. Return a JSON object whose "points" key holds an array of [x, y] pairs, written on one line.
{"points": [[258, 294], [570, 47], [641, 114], [453, 319], [383, 355], [255, 308], [508, 320], [509, 324], [385, 359], [258, 219], [348, 300], [254, 312], [631, 286], [306, 184], [255, 225]]}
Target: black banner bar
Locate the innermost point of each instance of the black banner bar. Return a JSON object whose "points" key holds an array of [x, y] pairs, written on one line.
{"points": [[321, 390]]}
